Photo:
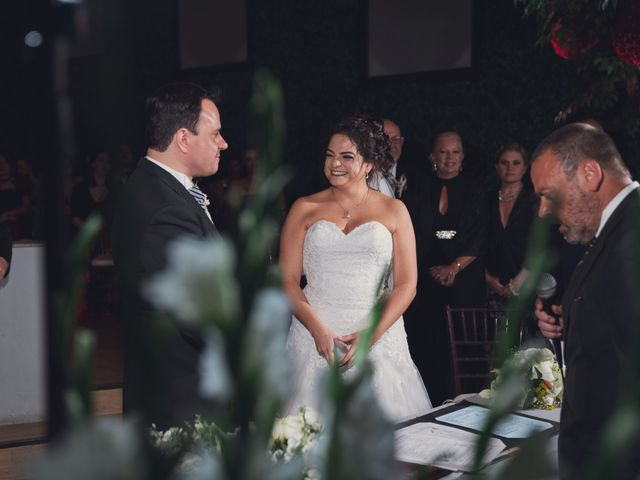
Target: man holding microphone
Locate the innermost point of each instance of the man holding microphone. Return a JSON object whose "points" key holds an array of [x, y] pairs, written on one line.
{"points": [[581, 179]]}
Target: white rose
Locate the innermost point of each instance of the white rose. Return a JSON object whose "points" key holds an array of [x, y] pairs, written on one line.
{"points": [[289, 428], [545, 369], [311, 417]]}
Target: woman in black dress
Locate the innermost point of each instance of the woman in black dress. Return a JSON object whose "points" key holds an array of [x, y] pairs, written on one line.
{"points": [[450, 233], [455, 262], [511, 211]]}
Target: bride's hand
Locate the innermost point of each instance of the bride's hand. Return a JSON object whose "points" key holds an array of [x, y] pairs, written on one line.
{"points": [[351, 341], [324, 343]]}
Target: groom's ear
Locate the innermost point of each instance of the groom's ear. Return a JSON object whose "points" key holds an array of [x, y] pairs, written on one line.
{"points": [[181, 139]]}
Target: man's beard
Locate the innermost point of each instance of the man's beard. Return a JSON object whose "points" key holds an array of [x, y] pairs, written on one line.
{"points": [[582, 221]]}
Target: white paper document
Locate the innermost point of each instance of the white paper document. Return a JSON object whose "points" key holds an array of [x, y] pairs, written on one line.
{"points": [[442, 446], [511, 426]]}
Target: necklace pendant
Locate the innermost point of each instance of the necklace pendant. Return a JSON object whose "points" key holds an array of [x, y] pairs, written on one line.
{"points": [[346, 215]]}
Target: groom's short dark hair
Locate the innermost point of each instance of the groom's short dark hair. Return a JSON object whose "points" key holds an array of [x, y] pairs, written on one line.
{"points": [[171, 108]]}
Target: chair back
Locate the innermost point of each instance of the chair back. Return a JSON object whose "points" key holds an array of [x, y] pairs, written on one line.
{"points": [[473, 333]]}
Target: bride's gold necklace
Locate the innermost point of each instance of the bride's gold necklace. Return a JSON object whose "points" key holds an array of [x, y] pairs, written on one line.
{"points": [[347, 212]]}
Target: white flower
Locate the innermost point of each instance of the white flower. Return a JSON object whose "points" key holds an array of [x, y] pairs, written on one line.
{"points": [[543, 370], [358, 425], [311, 417], [170, 441], [295, 435], [265, 346], [289, 428], [103, 449], [202, 465], [543, 387], [198, 283], [215, 378]]}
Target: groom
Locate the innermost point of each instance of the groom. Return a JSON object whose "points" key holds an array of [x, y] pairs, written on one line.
{"points": [[159, 204]]}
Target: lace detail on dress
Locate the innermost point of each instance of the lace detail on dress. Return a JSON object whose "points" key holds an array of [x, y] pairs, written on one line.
{"points": [[343, 273]]}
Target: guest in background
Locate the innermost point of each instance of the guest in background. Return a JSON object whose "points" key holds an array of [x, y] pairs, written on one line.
{"points": [[240, 177], [450, 224], [27, 184], [5, 249], [13, 204], [510, 214], [386, 182], [250, 162], [404, 179], [92, 194], [25, 178], [456, 266], [227, 191], [124, 163]]}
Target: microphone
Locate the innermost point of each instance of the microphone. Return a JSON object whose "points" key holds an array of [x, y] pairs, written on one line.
{"points": [[548, 294]]}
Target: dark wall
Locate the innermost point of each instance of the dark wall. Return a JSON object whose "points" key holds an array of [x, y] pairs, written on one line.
{"points": [[512, 93]]}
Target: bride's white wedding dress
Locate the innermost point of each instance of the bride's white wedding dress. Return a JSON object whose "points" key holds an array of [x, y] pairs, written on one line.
{"points": [[343, 272]]}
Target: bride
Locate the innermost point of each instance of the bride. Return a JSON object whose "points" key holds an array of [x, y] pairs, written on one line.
{"points": [[344, 239]]}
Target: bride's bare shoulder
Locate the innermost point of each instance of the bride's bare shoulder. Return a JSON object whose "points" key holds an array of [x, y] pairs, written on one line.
{"points": [[307, 206], [387, 203]]}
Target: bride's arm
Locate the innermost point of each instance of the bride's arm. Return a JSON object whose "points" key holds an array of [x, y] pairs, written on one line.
{"points": [[405, 278], [405, 272], [291, 245]]}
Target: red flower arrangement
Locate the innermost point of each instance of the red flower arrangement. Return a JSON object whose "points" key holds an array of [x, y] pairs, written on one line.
{"points": [[566, 44], [626, 34]]}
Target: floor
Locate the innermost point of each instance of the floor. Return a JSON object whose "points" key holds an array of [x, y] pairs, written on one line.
{"points": [[18, 443]]}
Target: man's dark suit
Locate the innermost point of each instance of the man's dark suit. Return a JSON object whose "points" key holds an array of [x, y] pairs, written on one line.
{"points": [[600, 312], [5, 243], [161, 373], [417, 198]]}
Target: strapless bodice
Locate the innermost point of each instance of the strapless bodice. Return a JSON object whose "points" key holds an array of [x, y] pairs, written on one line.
{"points": [[345, 270]]}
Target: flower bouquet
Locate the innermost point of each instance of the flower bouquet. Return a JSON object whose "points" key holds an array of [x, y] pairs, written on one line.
{"points": [[291, 437], [543, 379], [295, 435]]}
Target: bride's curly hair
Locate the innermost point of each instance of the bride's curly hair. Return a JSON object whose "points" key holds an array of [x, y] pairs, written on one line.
{"points": [[367, 133]]}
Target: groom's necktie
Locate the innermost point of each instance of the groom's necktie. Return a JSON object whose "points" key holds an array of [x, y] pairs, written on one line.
{"points": [[201, 198]]}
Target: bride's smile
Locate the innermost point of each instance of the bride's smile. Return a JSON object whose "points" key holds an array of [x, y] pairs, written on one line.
{"points": [[343, 164]]}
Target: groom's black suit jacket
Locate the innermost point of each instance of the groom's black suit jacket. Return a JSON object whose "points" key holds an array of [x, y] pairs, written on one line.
{"points": [[601, 314], [161, 374]]}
